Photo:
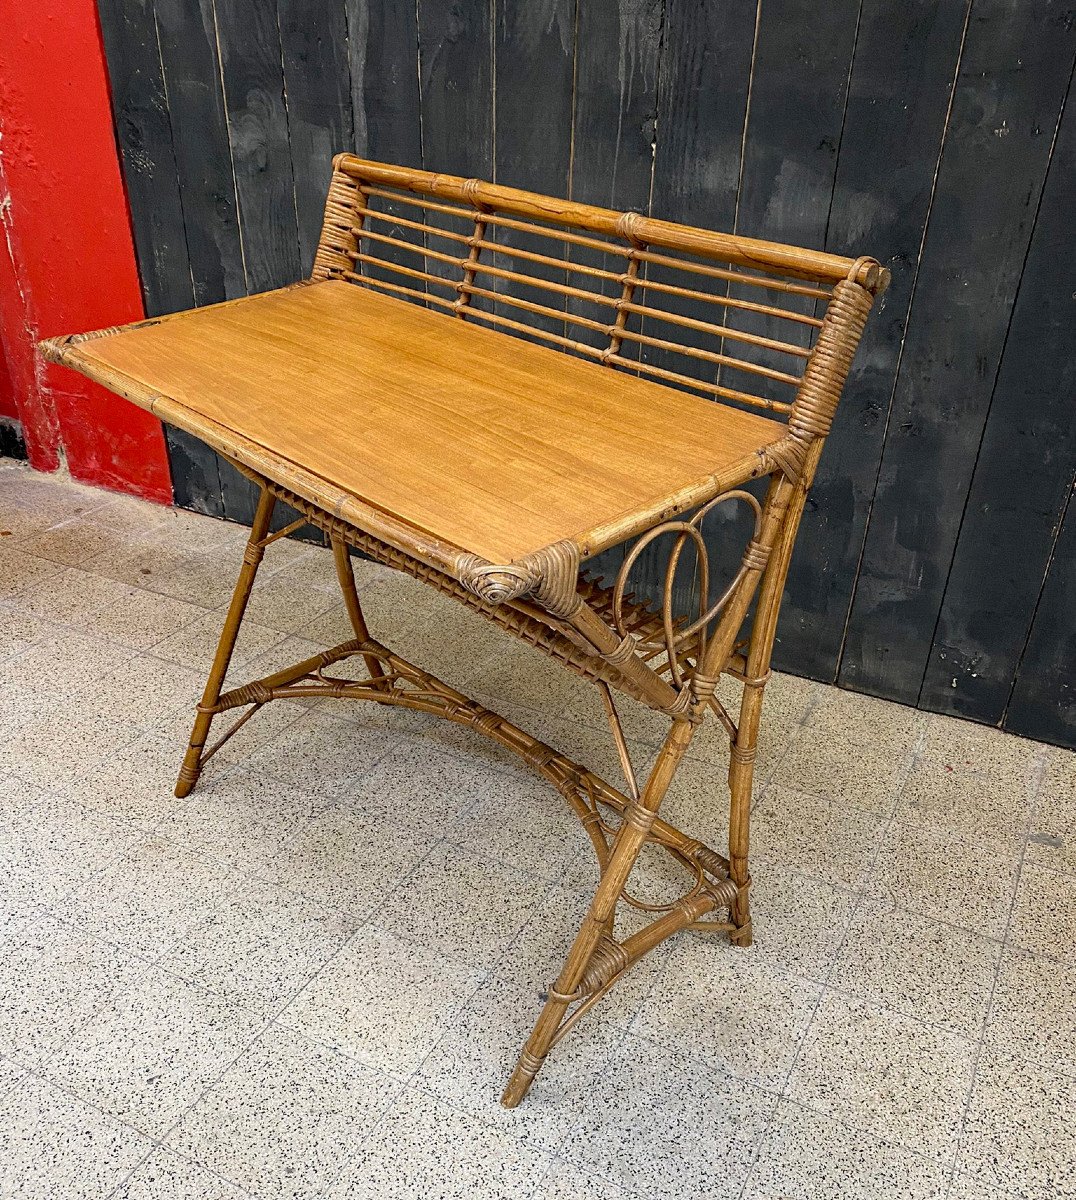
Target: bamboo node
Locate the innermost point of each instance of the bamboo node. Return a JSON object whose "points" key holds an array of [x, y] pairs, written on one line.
{"points": [[190, 773], [470, 191], [529, 1064]]}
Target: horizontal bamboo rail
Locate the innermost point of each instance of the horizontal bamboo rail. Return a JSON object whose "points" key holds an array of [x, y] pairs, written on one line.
{"points": [[747, 252]]}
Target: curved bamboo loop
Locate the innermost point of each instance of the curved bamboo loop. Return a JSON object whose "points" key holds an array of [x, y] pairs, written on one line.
{"points": [[676, 632]]}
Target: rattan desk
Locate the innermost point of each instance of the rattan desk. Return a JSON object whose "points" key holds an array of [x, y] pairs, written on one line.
{"points": [[516, 384]]}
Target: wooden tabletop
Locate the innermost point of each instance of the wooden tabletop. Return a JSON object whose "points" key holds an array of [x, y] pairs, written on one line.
{"points": [[490, 443]]}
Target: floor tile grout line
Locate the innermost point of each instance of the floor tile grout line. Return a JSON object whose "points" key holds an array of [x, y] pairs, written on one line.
{"points": [[141, 833], [155, 1143], [824, 987], [849, 1127], [859, 895], [147, 964], [267, 573], [270, 1022], [84, 626], [413, 1078], [974, 1073]]}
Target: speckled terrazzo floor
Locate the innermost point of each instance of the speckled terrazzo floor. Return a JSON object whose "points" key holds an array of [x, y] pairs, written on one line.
{"points": [[309, 978]]}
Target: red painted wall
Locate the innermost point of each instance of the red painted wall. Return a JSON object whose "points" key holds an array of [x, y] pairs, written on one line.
{"points": [[7, 389], [67, 260]]}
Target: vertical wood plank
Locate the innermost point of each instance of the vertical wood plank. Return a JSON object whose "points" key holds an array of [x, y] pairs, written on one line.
{"points": [[534, 64], [702, 107], [534, 53], [1014, 72], [617, 63], [802, 54], [797, 113], [901, 82], [703, 85], [144, 131], [192, 72], [457, 105], [1043, 703], [799, 87], [456, 73], [615, 121], [383, 52], [253, 81], [1019, 488], [317, 92], [258, 134], [203, 156]]}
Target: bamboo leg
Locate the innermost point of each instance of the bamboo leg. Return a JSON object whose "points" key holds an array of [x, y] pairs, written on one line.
{"points": [[741, 761], [760, 648], [741, 774], [252, 557], [632, 834], [346, 576]]}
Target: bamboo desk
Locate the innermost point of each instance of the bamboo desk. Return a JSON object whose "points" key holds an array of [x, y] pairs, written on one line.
{"points": [[487, 410]]}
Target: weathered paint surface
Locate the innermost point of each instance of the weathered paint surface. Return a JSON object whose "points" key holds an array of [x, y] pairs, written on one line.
{"points": [[67, 260], [7, 389], [935, 562]]}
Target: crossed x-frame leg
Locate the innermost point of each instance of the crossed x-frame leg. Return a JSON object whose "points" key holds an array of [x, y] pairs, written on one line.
{"points": [[619, 823]]}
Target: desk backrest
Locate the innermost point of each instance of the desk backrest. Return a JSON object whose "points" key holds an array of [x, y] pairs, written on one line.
{"points": [[733, 318]]}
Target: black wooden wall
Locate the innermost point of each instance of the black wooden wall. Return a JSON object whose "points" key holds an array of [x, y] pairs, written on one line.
{"points": [[937, 563]]}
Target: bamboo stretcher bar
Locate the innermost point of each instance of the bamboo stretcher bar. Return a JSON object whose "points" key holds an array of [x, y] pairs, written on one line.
{"points": [[765, 310], [497, 218], [773, 285], [687, 381]]}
